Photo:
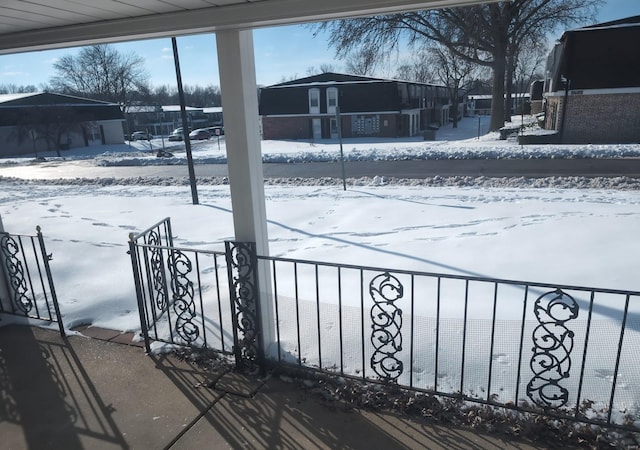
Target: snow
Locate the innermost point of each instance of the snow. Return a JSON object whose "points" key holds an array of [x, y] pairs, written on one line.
{"points": [[567, 235], [469, 141]]}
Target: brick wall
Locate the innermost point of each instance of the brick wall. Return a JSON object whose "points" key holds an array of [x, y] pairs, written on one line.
{"points": [[597, 119], [536, 106], [286, 128]]}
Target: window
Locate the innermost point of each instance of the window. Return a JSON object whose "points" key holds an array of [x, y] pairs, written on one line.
{"points": [[332, 100], [314, 101]]}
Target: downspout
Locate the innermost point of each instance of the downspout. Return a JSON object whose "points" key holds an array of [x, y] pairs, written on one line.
{"points": [[564, 109], [567, 69]]}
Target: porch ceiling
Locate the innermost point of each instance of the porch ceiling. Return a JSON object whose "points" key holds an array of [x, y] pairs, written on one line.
{"points": [[47, 24]]}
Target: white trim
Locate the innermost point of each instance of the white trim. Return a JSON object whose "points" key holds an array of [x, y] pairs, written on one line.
{"points": [[314, 95], [322, 115], [332, 92], [608, 91]]}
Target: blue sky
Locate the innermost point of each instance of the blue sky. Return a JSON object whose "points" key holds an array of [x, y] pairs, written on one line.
{"points": [[280, 52]]}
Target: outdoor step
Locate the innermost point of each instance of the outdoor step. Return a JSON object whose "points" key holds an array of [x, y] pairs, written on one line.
{"points": [[105, 334]]}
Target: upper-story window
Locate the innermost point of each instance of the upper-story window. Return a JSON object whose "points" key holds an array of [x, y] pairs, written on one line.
{"points": [[332, 100], [314, 101]]}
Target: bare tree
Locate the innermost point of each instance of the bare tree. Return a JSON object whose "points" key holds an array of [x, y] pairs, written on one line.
{"points": [[528, 68], [100, 72], [363, 62], [487, 34], [418, 68], [454, 72], [292, 77], [201, 96], [324, 68], [15, 89], [194, 95]]}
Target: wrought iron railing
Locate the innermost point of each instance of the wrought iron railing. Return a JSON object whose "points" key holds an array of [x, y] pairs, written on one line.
{"points": [[565, 351], [27, 288], [196, 297]]}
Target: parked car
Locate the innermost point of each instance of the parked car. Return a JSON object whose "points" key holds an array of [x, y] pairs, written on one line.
{"points": [[176, 135], [215, 131], [141, 136], [199, 134]]}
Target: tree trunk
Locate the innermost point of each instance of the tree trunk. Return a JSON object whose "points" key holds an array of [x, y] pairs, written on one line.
{"points": [[456, 93], [508, 93], [497, 93]]}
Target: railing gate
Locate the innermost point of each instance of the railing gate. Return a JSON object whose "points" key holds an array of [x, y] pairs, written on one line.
{"points": [[26, 284], [184, 298]]}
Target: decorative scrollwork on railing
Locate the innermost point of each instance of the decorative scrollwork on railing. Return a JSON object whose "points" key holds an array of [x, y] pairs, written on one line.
{"points": [[15, 274], [243, 280], [386, 335], [553, 343], [183, 296], [157, 271]]}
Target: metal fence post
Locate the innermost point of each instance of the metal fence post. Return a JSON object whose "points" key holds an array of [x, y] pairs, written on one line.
{"points": [[54, 298], [244, 295], [136, 279], [4, 285]]}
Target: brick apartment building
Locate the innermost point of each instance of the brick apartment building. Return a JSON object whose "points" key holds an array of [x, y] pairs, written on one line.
{"points": [[592, 88], [369, 107]]}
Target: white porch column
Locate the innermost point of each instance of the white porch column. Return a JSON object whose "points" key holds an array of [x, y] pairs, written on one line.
{"points": [[244, 156]]}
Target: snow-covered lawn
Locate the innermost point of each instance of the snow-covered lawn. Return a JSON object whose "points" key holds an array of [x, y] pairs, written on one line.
{"points": [[567, 236]]}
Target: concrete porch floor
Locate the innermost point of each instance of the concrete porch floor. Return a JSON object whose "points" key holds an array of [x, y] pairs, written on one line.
{"points": [[100, 391]]}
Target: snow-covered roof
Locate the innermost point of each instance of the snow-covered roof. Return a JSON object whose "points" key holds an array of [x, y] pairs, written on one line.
{"points": [[333, 78], [4, 98], [173, 108], [48, 98], [140, 109], [489, 96]]}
